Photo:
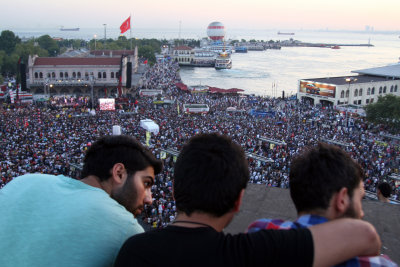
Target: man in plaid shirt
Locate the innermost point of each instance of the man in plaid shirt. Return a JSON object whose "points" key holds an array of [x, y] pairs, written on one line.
{"points": [[325, 184]]}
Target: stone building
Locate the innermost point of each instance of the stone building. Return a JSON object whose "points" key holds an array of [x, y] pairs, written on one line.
{"points": [[360, 90], [183, 55], [77, 75]]}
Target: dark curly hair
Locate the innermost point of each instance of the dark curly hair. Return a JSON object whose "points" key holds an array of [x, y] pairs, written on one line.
{"points": [[110, 150]]}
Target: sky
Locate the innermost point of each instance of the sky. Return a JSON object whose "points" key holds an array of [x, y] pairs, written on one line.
{"points": [[382, 15]]}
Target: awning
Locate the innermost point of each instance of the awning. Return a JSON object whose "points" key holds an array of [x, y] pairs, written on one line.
{"points": [[182, 86]]}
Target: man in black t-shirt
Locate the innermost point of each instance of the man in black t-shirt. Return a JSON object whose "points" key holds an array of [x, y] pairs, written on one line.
{"points": [[210, 176]]}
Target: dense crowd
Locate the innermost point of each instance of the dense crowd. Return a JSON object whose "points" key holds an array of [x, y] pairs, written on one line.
{"points": [[53, 138]]}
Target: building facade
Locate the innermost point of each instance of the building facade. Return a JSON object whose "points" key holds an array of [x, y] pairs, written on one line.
{"points": [[77, 75], [183, 55], [360, 90]]}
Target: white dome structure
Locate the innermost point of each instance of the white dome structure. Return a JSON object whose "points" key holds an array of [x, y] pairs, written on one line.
{"points": [[216, 31]]}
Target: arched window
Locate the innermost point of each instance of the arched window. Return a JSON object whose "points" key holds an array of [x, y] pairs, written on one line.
{"points": [[342, 94], [395, 88], [66, 74], [356, 92], [99, 75], [53, 74], [380, 90], [112, 75], [61, 75], [48, 75], [373, 91], [79, 75], [347, 93], [74, 75], [368, 91], [391, 88], [104, 75], [360, 92], [384, 89], [36, 75]]}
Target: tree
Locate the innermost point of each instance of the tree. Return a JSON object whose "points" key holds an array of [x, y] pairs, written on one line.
{"points": [[8, 41], [47, 43], [10, 64], [147, 52], [385, 111], [28, 48], [2, 57]]}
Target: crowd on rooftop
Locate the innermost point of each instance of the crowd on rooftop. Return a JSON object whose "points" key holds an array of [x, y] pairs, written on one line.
{"points": [[53, 138]]}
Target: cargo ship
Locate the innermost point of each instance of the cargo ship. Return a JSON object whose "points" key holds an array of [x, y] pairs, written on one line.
{"points": [[69, 29], [286, 33]]}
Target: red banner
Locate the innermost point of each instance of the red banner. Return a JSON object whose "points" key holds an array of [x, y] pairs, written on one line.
{"points": [[126, 25]]}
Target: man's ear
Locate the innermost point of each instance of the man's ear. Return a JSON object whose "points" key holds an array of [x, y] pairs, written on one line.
{"points": [[238, 202], [117, 173], [341, 201]]}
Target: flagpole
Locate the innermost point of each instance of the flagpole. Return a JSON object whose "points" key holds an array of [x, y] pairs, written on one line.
{"points": [[130, 29]]}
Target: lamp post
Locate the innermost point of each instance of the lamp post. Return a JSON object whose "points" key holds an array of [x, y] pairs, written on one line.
{"points": [[105, 34], [46, 87], [50, 86], [349, 80]]}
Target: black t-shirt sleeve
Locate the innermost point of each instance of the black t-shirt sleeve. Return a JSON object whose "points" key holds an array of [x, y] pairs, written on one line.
{"points": [[205, 247], [136, 251], [293, 247]]}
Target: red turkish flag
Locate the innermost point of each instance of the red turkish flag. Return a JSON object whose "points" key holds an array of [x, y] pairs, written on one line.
{"points": [[126, 25]]}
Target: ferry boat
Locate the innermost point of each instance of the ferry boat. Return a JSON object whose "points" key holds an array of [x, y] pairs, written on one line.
{"points": [[240, 49], [223, 61], [69, 29], [203, 58], [218, 48]]}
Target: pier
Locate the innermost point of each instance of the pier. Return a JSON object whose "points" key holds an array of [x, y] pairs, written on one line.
{"points": [[322, 45]]}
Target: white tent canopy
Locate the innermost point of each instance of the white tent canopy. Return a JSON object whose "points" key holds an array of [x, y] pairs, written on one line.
{"points": [[150, 126]]}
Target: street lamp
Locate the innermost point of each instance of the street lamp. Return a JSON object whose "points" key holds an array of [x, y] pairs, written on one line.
{"points": [[46, 84], [105, 34]]}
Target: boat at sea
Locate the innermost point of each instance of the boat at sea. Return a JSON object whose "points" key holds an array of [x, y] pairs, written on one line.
{"points": [[218, 48], [286, 33], [69, 29], [240, 49], [223, 61], [203, 58]]}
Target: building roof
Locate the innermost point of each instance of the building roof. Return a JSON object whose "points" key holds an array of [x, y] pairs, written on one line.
{"points": [[71, 61], [355, 79], [183, 47], [386, 71]]}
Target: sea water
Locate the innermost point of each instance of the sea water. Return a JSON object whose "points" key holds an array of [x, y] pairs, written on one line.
{"points": [[266, 72]]}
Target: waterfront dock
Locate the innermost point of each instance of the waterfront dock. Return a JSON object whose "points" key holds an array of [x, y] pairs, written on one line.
{"points": [[322, 45]]}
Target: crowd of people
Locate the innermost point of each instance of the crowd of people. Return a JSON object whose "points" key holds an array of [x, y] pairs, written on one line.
{"points": [[53, 138]]}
